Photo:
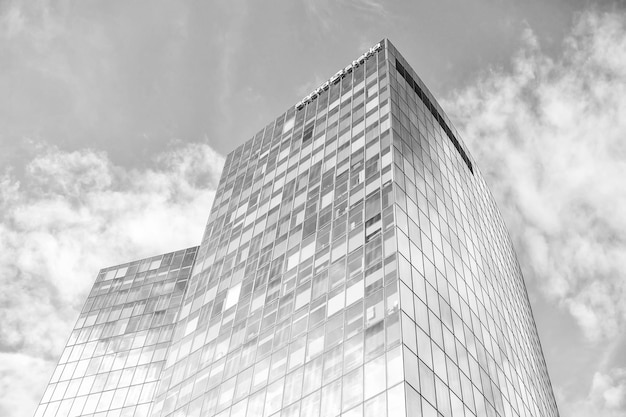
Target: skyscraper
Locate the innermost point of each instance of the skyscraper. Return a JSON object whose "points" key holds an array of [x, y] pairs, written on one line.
{"points": [[354, 264]]}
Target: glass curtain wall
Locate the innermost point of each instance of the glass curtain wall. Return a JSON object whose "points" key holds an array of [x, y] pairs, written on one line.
{"points": [[293, 306], [470, 345], [114, 356], [354, 264]]}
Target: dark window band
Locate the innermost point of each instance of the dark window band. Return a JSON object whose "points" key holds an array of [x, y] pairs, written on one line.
{"points": [[407, 77]]}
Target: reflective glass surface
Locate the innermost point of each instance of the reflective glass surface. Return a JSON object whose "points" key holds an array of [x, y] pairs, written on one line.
{"points": [[469, 339], [354, 264], [293, 305], [115, 354]]}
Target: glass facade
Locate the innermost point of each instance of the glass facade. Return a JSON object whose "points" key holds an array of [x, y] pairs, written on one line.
{"points": [[353, 264], [114, 356], [470, 343]]}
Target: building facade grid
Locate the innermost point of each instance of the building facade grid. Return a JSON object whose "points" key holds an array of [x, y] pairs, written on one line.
{"points": [[354, 264], [114, 356]]}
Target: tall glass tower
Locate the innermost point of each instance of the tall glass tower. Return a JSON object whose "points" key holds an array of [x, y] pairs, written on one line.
{"points": [[354, 264]]}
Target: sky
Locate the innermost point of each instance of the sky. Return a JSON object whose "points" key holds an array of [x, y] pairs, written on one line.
{"points": [[115, 118]]}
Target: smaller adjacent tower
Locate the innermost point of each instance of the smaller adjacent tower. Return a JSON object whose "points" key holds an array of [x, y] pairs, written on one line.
{"points": [[113, 359]]}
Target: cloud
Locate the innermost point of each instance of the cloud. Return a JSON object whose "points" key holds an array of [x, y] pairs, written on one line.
{"points": [[325, 12], [72, 214], [607, 393], [367, 6], [550, 138], [125, 77], [46, 81], [19, 374]]}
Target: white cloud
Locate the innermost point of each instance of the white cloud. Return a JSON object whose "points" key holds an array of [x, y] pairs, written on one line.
{"points": [[325, 12], [607, 395], [19, 375], [72, 214], [368, 6], [550, 136]]}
